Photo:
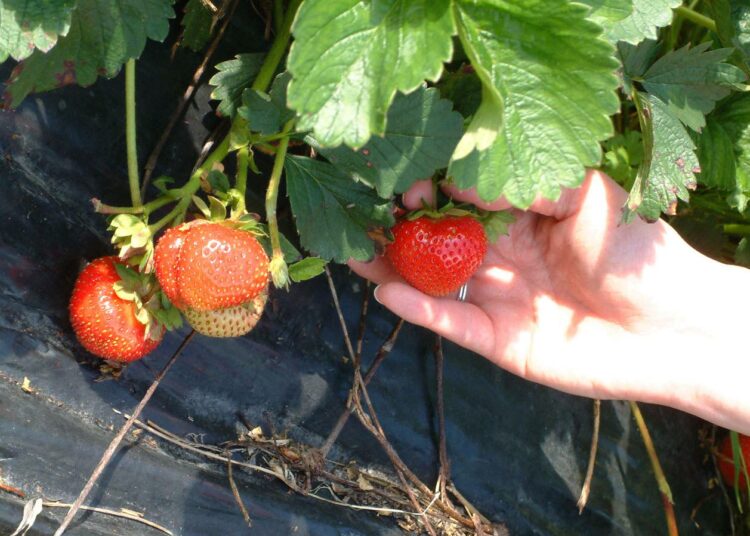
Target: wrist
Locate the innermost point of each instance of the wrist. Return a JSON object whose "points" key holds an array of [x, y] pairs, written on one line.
{"points": [[711, 361]]}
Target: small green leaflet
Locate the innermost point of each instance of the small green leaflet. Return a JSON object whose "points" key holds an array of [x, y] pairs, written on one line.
{"points": [[420, 135], [103, 35], [546, 133], [232, 78], [636, 60], [724, 146], [350, 57], [607, 12], [671, 169], [647, 16], [32, 24], [623, 156], [266, 112], [732, 20], [496, 223], [307, 268], [691, 80], [197, 24], [333, 212]]}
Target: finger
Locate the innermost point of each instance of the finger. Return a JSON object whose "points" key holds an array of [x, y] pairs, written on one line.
{"points": [[463, 323], [379, 270], [420, 191], [568, 204]]}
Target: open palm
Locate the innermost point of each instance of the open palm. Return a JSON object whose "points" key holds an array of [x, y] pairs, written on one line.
{"points": [[571, 298]]}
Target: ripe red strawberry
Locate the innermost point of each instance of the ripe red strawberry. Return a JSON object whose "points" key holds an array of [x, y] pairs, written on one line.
{"points": [[229, 322], [726, 465], [437, 255], [105, 324], [206, 266]]}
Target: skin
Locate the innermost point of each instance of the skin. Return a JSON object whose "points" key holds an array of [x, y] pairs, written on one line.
{"points": [[573, 300]]}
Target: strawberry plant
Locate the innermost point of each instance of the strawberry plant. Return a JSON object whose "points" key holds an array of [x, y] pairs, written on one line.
{"points": [[355, 100]]}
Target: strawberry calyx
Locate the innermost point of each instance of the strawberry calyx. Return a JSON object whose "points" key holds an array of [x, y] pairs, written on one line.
{"points": [[495, 222], [152, 308], [132, 236]]}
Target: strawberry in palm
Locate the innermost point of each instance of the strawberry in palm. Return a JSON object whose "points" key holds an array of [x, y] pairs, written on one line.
{"points": [[437, 254]]}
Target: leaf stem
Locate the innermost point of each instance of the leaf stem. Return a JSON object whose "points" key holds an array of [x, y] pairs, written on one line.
{"points": [[271, 63], [698, 18], [190, 187], [272, 195], [737, 229], [132, 150], [149, 207], [240, 183]]}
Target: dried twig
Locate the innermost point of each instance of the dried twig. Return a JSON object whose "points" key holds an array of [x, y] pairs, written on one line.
{"points": [[445, 467], [383, 352], [586, 488], [371, 421], [362, 323], [340, 314], [107, 456], [148, 169], [135, 516], [236, 492], [15, 491]]}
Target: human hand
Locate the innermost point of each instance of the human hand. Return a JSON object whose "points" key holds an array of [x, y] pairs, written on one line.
{"points": [[574, 300]]}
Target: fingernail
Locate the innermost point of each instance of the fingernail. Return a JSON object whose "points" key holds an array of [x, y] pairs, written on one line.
{"points": [[375, 294]]}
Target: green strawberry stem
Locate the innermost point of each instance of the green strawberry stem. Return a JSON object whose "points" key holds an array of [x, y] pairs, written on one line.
{"points": [[697, 18], [261, 83], [241, 182], [170, 197], [192, 186], [132, 150], [278, 48], [278, 267]]}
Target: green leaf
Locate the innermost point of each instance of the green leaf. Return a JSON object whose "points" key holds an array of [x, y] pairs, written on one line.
{"points": [[717, 159], [607, 12], [464, 89], [724, 146], [547, 132], [350, 57], [636, 59], [623, 155], [742, 254], [421, 134], [692, 80], [197, 24], [232, 78], [32, 24], [103, 35], [267, 112], [673, 165], [733, 28], [647, 16], [496, 223], [333, 212], [307, 268], [219, 181]]}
